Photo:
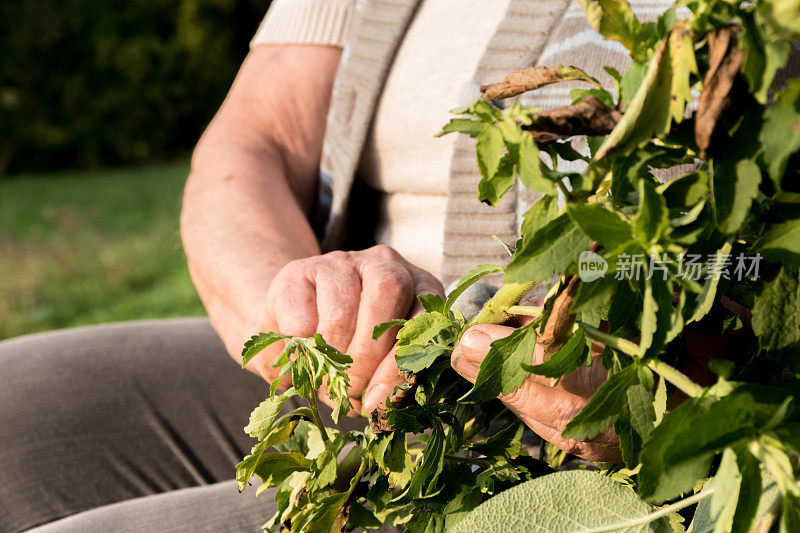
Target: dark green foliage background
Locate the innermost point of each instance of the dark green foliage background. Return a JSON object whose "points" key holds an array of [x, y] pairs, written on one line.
{"points": [[89, 83]]}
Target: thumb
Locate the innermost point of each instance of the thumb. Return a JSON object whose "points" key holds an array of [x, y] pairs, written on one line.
{"points": [[475, 343]]}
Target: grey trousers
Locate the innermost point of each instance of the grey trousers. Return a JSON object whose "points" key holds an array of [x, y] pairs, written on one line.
{"points": [[130, 427]]}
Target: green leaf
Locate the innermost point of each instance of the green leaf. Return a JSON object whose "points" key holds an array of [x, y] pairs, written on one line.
{"points": [[274, 468], [705, 300], [433, 303], [763, 57], [614, 19], [734, 188], [686, 191], [501, 370], [259, 342], [263, 416], [780, 134], [423, 328], [573, 355], [681, 448], [469, 279], [656, 314], [488, 150], [491, 190], [781, 242], [278, 435], [573, 500], [604, 406], [468, 126], [429, 469], [382, 328], [601, 225], [552, 249], [538, 215], [776, 310], [652, 218], [661, 93], [414, 357], [529, 167]]}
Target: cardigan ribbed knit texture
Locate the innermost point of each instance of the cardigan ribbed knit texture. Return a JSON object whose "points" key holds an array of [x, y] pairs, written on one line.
{"points": [[546, 32]]}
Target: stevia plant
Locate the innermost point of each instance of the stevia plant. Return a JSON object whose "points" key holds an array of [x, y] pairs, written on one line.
{"points": [[720, 455]]}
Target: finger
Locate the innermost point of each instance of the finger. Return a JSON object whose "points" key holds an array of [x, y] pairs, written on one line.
{"points": [[584, 381], [424, 283], [383, 382], [387, 293], [533, 402], [338, 294], [294, 304]]}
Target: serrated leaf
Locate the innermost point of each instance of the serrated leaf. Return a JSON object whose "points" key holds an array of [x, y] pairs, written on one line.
{"points": [[573, 355], [433, 303], [652, 217], [259, 342], [501, 370], [780, 134], [429, 469], [278, 435], [552, 249], [469, 279], [468, 126], [601, 225], [604, 406], [781, 242], [414, 358], [263, 417], [681, 448], [538, 215], [614, 19], [423, 328], [564, 501], [488, 149], [734, 189], [382, 328], [491, 190], [776, 310], [529, 167], [273, 468]]}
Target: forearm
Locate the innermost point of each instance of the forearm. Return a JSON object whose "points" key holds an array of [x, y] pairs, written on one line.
{"points": [[240, 224]]}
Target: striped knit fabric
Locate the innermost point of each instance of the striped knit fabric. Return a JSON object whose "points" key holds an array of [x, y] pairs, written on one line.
{"points": [[543, 32], [470, 225]]}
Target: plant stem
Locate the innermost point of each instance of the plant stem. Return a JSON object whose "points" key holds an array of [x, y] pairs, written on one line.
{"points": [[663, 511], [612, 341], [525, 310], [676, 377], [312, 400], [671, 374], [495, 311]]}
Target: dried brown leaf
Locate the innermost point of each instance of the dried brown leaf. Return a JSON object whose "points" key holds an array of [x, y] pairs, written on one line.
{"points": [[530, 78], [589, 116], [725, 61]]}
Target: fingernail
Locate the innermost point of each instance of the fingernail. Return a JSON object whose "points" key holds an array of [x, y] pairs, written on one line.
{"points": [[476, 339], [374, 396]]}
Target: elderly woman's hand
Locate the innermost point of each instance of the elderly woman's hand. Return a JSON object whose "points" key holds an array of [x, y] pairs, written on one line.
{"points": [[343, 295], [543, 408]]}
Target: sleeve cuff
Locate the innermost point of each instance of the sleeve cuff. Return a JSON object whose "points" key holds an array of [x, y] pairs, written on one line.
{"points": [[321, 22]]}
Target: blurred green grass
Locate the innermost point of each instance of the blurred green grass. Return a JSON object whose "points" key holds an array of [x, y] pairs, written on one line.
{"points": [[92, 247]]}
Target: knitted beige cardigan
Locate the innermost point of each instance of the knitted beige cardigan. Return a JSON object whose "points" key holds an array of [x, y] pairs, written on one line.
{"points": [[550, 32]]}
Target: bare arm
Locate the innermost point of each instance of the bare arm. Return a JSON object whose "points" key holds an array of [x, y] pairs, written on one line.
{"points": [[253, 179], [252, 254]]}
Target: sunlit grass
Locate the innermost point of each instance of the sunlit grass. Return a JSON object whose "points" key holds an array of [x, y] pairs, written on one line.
{"points": [[92, 247]]}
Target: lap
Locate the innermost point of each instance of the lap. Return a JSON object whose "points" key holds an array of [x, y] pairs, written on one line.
{"points": [[97, 415], [216, 508]]}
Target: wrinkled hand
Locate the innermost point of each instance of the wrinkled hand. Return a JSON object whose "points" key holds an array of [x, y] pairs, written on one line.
{"points": [[543, 408], [343, 295], [547, 409]]}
